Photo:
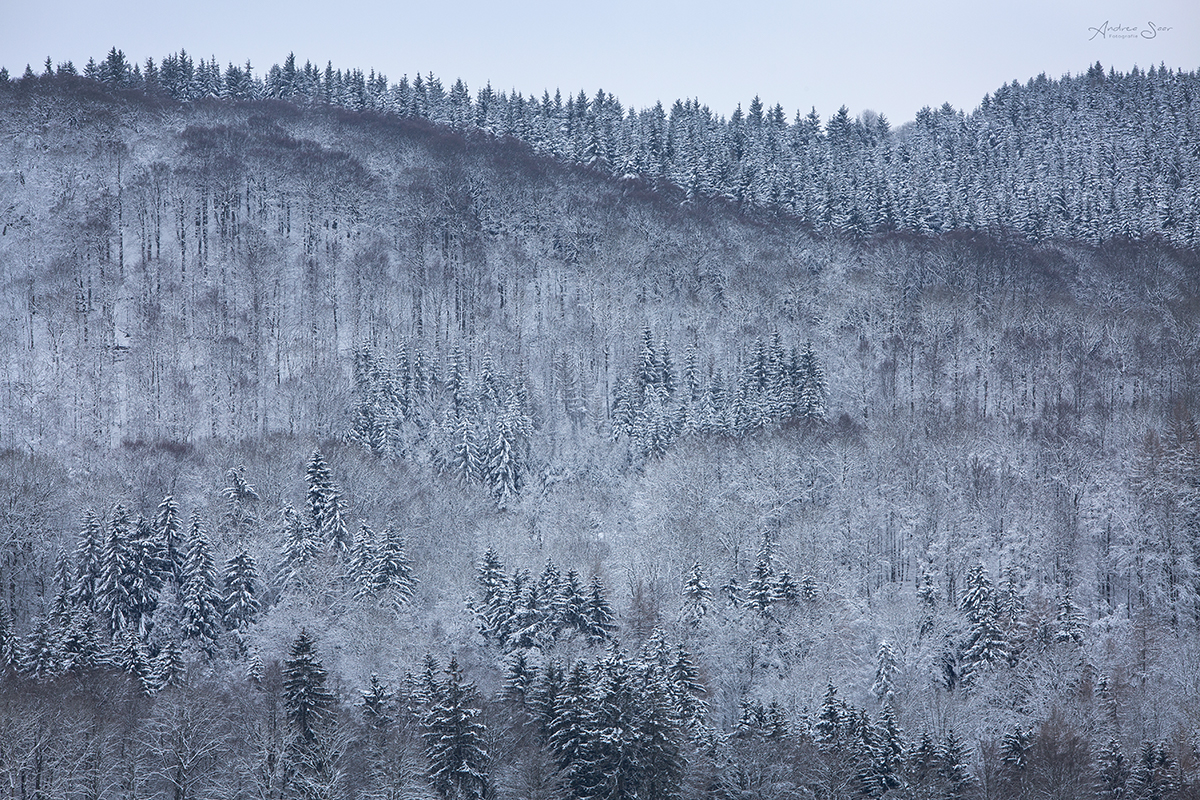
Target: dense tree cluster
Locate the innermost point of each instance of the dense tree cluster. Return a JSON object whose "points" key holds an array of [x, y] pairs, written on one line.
{"points": [[520, 612], [654, 405], [478, 427], [1094, 156], [475, 427]]}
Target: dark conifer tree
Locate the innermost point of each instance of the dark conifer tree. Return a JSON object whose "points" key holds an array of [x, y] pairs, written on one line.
{"points": [[89, 557], [600, 621], [392, 578], [696, 595], [301, 545], [1112, 772], [310, 710], [133, 570], [361, 562], [455, 739], [169, 528], [241, 588], [760, 592], [200, 595], [953, 769]]}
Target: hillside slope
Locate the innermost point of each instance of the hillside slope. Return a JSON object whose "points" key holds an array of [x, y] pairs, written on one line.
{"points": [[954, 477]]}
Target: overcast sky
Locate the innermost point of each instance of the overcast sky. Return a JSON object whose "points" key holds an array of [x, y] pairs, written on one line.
{"points": [[890, 57]]}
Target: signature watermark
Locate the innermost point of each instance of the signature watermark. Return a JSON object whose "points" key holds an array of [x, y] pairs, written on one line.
{"points": [[1111, 31]]}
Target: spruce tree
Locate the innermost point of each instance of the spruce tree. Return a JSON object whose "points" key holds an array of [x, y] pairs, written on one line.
{"points": [[300, 545], [696, 596], [362, 561], [391, 572], [599, 614], [686, 687], [887, 665], [1112, 771], [574, 604], [241, 586], [455, 739], [1070, 622], [985, 645], [310, 708], [168, 528], [308, 702], [132, 574], [787, 591], [519, 679], [952, 768], [493, 582], [890, 752], [240, 497], [467, 461], [813, 391], [201, 598], [41, 656], [571, 729], [378, 712], [111, 597], [760, 592], [320, 486], [1015, 747], [89, 556], [828, 727]]}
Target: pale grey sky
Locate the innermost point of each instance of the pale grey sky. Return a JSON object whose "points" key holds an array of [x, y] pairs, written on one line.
{"points": [[886, 56]]}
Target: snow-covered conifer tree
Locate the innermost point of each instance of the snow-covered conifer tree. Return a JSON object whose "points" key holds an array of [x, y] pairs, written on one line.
{"points": [[201, 598]]}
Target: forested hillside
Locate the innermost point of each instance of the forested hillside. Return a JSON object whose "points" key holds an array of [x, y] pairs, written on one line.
{"points": [[366, 440]]}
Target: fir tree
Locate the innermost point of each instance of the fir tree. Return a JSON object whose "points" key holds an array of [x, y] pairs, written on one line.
{"points": [[391, 572], [132, 574], [455, 739], [240, 497], [166, 669], [240, 581], [985, 645], [887, 665], [829, 722], [378, 712], [519, 679], [686, 687], [1154, 775], [41, 657], [889, 755], [362, 562], [310, 707], [787, 591], [300, 545], [168, 528], [89, 557], [813, 393], [308, 702], [1070, 622], [573, 604], [571, 730], [467, 460], [128, 655], [598, 613], [697, 596], [323, 500], [952, 768], [493, 582], [1112, 771], [760, 592], [201, 599]]}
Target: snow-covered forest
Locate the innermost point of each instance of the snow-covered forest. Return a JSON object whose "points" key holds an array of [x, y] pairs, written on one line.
{"points": [[372, 439]]}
